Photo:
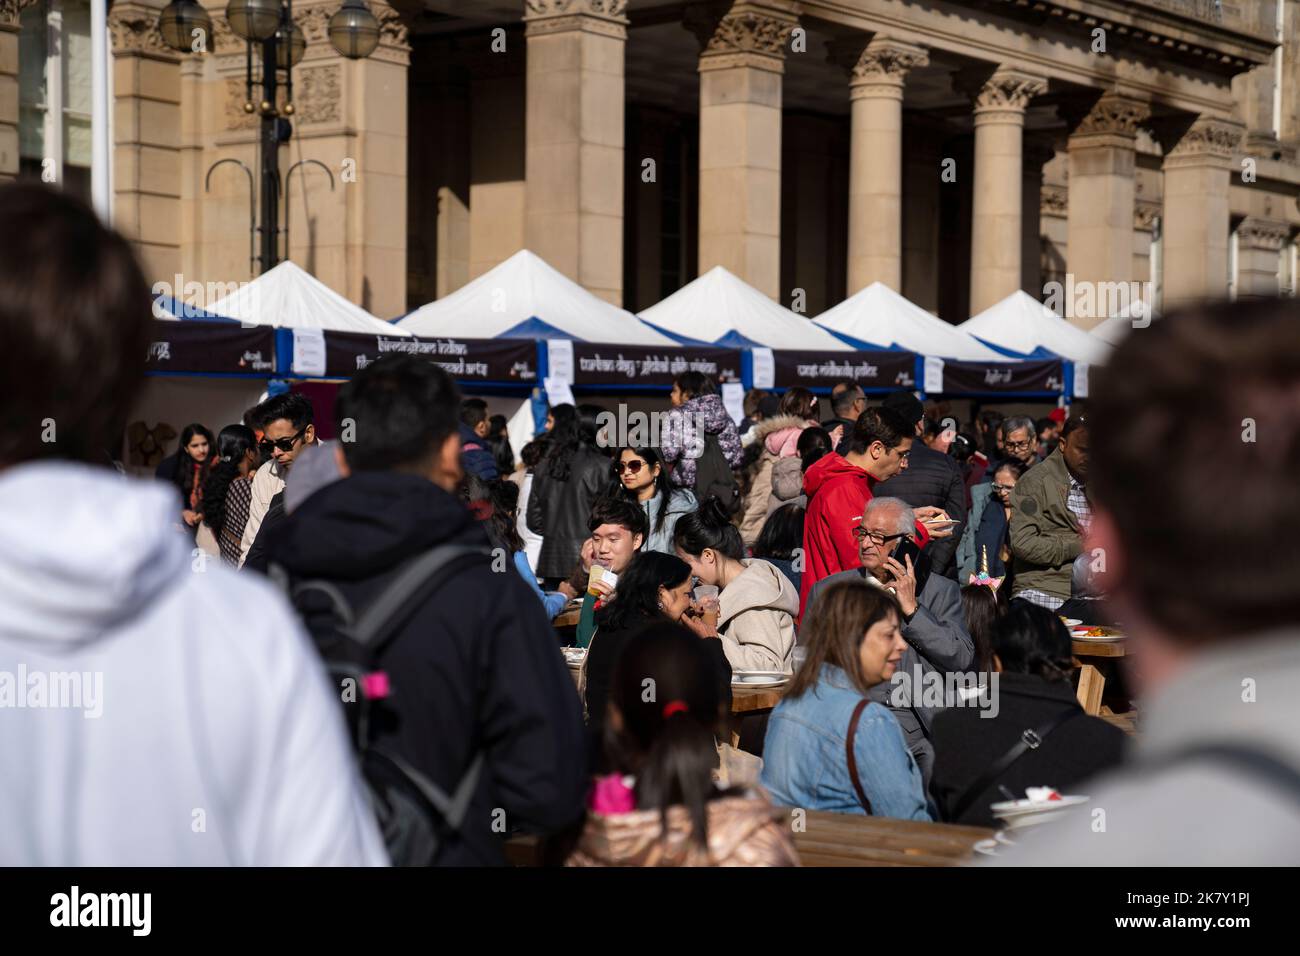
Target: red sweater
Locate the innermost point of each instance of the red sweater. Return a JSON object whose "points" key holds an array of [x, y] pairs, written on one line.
{"points": [[838, 493]]}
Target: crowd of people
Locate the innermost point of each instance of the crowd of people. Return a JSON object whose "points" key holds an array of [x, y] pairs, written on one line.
{"points": [[369, 672]]}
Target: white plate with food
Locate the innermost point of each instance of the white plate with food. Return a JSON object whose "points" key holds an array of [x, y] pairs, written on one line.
{"points": [[758, 678], [1071, 621], [1034, 810], [1083, 632]]}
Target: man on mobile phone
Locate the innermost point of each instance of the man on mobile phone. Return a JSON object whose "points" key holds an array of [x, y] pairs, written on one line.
{"points": [[934, 624]]}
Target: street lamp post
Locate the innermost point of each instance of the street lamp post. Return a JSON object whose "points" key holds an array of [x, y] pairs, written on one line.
{"points": [[268, 24]]}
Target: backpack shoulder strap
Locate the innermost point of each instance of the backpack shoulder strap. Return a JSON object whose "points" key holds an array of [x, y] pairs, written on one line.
{"points": [[1029, 740], [852, 757], [452, 809], [413, 578]]}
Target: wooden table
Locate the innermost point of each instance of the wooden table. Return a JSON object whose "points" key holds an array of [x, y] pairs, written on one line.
{"points": [[567, 618], [840, 839], [1092, 676]]}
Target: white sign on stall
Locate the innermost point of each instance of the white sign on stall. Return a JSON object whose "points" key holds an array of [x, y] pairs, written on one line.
{"points": [[309, 352], [1080, 379], [558, 392], [933, 383], [559, 360], [733, 397], [764, 368]]}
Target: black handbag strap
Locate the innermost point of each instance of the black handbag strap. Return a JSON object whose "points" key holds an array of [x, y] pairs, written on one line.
{"points": [[852, 758], [1030, 739]]}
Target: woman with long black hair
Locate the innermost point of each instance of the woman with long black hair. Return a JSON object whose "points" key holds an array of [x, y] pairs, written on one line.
{"points": [[660, 806], [195, 458], [568, 481], [229, 488], [643, 477]]}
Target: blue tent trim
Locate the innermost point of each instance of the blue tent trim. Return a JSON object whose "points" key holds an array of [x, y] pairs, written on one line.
{"points": [[1038, 353], [187, 313], [534, 328], [699, 343], [864, 346]]}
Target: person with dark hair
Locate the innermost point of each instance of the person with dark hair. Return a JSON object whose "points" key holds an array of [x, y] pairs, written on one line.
{"points": [[986, 539], [781, 542], [618, 528], [660, 806], [932, 480], [787, 474], [567, 483], [982, 607], [697, 416], [287, 428], [753, 413], [1050, 513], [498, 438], [932, 619], [190, 467], [502, 519], [848, 401], [531, 455], [643, 478], [839, 487], [779, 440], [229, 489], [654, 587], [1049, 432], [829, 745], [472, 664], [988, 433], [475, 448], [756, 602], [1032, 661], [186, 711]]}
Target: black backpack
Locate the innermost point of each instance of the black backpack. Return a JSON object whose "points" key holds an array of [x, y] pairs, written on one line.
{"points": [[413, 812], [713, 476]]}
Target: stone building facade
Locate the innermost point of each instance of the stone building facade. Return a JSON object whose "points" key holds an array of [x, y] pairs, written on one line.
{"points": [[955, 150]]}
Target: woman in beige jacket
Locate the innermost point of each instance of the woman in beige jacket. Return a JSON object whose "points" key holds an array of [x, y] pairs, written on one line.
{"points": [[757, 603]]}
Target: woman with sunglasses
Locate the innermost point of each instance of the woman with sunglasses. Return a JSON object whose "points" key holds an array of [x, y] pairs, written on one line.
{"points": [[993, 536], [642, 477]]}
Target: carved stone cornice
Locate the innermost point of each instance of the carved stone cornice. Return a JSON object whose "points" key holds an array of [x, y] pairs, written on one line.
{"points": [[602, 17], [317, 98], [1208, 140], [11, 11], [882, 66], [1145, 214], [133, 29], [1008, 91], [1266, 234], [1114, 115], [1054, 201], [749, 35]]}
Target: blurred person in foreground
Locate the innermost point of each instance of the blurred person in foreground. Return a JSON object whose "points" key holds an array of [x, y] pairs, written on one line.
{"points": [[167, 707], [472, 664], [1213, 778]]}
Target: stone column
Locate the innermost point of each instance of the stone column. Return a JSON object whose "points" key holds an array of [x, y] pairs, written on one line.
{"points": [[1259, 247], [876, 162], [1101, 204], [147, 138], [9, 30], [921, 276], [997, 196], [574, 140], [498, 151], [1037, 154], [741, 72], [1197, 173]]}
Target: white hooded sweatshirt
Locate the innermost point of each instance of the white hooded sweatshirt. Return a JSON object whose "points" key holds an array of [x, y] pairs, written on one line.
{"points": [[155, 707]]}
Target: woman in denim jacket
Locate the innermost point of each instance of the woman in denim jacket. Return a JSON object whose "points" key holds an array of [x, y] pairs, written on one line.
{"points": [[854, 642]]}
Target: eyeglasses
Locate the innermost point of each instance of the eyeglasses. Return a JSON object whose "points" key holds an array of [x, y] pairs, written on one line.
{"points": [[631, 467], [1017, 445], [876, 537], [284, 444], [997, 487]]}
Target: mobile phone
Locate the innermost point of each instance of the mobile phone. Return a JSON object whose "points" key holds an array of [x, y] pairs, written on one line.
{"points": [[907, 548]]}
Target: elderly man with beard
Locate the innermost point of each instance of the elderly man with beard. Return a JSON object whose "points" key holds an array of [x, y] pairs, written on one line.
{"points": [[934, 624]]}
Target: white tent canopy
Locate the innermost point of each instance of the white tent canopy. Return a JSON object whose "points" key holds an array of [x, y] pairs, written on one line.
{"points": [[1023, 324], [1115, 329], [526, 297], [291, 298], [721, 308], [880, 316]]}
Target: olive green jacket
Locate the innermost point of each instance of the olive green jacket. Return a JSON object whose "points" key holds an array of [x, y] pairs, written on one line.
{"points": [[1045, 536]]}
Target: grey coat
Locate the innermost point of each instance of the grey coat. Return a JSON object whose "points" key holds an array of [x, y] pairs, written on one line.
{"points": [[937, 641]]}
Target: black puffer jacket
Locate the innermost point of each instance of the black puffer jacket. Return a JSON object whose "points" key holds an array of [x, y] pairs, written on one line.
{"points": [[932, 478], [476, 667], [558, 509]]}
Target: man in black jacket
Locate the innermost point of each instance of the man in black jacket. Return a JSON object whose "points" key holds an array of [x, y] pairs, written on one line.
{"points": [[475, 668], [931, 478]]}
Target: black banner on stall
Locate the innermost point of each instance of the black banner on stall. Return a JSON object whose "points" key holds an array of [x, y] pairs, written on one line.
{"points": [[983, 378], [879, 370], [650, 365], [222, 348], [467, 360]]}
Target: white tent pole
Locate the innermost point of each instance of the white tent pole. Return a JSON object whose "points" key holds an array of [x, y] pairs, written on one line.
{"points": [[101, 117]]}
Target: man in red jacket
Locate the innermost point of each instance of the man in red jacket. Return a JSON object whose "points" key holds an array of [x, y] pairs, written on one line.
{"points": [[839, 487]]}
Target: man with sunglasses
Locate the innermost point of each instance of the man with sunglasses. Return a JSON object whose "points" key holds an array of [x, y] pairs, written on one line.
{"points": [[287, 428], [933, 624]]}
